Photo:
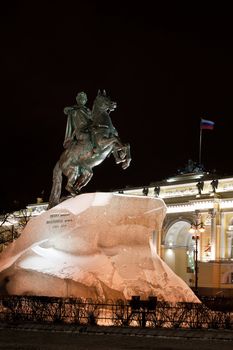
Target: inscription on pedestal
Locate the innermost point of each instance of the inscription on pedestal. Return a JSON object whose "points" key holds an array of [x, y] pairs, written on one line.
{"points": [[58, 221]]}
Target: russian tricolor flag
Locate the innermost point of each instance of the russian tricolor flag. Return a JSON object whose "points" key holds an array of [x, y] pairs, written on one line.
{"points": [[206, 124]]}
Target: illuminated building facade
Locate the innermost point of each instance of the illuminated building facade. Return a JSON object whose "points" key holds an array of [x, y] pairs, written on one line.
{"points": [[209, 199]]}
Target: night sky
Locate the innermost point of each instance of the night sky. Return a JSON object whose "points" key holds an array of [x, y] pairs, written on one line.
{"points": [[165, 66]]}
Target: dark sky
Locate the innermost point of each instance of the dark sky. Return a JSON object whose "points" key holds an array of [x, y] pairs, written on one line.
{"points": [[166, 66]]}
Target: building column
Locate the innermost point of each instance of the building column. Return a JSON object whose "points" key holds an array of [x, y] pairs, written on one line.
{"points": [[213, 234], [222, 254], [229, 244]]}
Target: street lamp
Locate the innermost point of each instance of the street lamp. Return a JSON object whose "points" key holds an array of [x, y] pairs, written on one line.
{"points": [[196, 228]]}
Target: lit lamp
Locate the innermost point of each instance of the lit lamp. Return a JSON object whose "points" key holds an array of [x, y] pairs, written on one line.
{"points": [[195, 229]]}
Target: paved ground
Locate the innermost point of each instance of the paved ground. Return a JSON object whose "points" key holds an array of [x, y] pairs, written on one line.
{"points": [[58, 337]]}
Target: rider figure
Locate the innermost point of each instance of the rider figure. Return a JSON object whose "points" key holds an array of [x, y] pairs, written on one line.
{"points": [[79, 121]]}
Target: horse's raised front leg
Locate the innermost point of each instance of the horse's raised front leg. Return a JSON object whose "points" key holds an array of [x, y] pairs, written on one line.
{"points": [[127, 158], [122, 155], [119, 155]]}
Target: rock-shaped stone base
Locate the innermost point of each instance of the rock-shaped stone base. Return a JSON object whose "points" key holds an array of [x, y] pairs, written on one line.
{"points": [[96, 245]]}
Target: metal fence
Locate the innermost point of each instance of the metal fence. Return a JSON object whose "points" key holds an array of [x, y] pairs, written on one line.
{"points": [[136, 312]]}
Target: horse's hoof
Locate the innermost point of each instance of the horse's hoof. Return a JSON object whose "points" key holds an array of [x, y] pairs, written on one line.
{"points": [[70, 190], [125, 165]]}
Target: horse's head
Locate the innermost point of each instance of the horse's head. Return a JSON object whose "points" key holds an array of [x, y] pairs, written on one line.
{"points": [[104, 103]]}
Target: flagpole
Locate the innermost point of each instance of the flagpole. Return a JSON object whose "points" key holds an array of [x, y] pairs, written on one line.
{"points": [[200, 141]]}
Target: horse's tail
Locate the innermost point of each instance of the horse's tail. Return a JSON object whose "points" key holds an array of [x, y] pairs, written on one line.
{"points": [[56, 188]]}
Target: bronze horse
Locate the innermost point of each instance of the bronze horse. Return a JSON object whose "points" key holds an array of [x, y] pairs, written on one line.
{"points": [[76, 162]]}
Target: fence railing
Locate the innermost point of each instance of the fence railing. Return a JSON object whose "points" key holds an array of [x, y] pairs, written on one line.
{"points": [[136, 312]]}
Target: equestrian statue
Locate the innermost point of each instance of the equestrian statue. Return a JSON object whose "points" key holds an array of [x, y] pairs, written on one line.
{"points": [[90, 137]]}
